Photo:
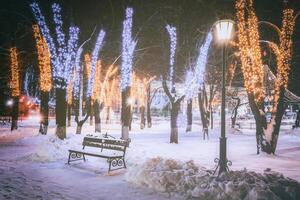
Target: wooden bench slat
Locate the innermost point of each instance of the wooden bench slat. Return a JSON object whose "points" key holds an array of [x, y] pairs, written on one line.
{"points": [[102, 143]]}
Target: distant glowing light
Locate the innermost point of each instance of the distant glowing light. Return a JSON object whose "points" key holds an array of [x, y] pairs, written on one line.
{"points": [[9, 102]]}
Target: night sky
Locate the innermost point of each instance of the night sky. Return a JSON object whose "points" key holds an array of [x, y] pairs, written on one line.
{"points": [[193, 19]]}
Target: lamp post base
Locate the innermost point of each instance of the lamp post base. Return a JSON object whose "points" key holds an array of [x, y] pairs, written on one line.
{"points": [[222, 162]]}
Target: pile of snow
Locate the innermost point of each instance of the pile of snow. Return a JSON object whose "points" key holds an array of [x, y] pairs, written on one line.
{"points": [[49, 148], [191, 181]]}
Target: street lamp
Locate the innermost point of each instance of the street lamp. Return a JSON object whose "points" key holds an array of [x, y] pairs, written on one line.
{"points": [[223, 30]]}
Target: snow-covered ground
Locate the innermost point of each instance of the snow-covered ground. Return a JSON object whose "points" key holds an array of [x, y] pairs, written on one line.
{"points": [[34, 166]]}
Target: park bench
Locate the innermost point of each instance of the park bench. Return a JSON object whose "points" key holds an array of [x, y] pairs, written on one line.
{"points": [[111, 149]]}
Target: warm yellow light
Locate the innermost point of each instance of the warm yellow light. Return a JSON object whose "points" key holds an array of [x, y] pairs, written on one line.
{"points": [[43, 59], [224, 29], [15, 80]]}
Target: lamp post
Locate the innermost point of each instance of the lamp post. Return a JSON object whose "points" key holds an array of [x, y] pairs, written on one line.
{"points": [[224, 29]]}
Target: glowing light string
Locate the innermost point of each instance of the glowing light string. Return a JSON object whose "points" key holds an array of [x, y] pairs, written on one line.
{"points": [[15, 82], [62, 57], [173, 43], [128, 46], [202, 60], [98, 46]]}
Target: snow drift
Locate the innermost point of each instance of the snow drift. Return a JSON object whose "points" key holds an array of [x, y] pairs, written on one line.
{"points": [[191, 181]]}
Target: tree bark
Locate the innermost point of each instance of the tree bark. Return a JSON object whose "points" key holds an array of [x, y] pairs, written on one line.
{"points": [[81, 122], [15, 114], [297, 122], [60, 112], [107, 120], [69, 114], [143, 120], [262, 142], [91, 114], [44, 112], [174, 128], [234, 111], [189, 115], [97, 110], [203, 113], [149, 120], [125, 113]]}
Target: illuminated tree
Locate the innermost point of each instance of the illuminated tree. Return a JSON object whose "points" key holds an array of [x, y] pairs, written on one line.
{"points": [[172, 95], [45, 78], [15, 86], [105, 96], [203, 100], [91, 78], [253, 70], [62, 54], [128, 46]]}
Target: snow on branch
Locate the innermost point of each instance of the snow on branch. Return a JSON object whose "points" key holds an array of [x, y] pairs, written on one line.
{"points": [[98, 46], [128, 46]]}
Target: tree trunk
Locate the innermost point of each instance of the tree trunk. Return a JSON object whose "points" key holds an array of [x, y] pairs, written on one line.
{"points": [[91, 114], [69, 114], [60, 112], [174, 128], [149, 120], [211, 118], [278, 117], [78, 129], [203, 114], [297, 122], [234, 112], [189, 115], [44, 112], [15, 114], [107, 114], [77, 119], [97, 111], [143, 120], [125, 113]]}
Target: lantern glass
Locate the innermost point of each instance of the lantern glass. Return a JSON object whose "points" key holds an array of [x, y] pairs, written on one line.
{"points": [[224, 29]]}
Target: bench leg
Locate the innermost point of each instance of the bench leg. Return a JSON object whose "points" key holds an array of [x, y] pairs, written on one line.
{"points": [[124, 162], [69, 158], [83, 157], [109, 165]]}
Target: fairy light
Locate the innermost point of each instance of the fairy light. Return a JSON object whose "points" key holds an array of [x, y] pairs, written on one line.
{"points": [[78, 72], [250, 53], [202, 60], [189, 79], [70, 88], [110, 72], [173, 43], [63, 55], [15, 82], [59, 32], [87, 62], [43, 60], [98, 46], [70, 57], [128, 46], [283, 53], [97, 81]]}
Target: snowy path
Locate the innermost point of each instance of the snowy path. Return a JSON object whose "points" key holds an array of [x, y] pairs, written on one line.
{"points": [[34, 167]]}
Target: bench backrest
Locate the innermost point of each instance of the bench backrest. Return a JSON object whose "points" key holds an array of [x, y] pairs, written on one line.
{"points": [[104, 143]]}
